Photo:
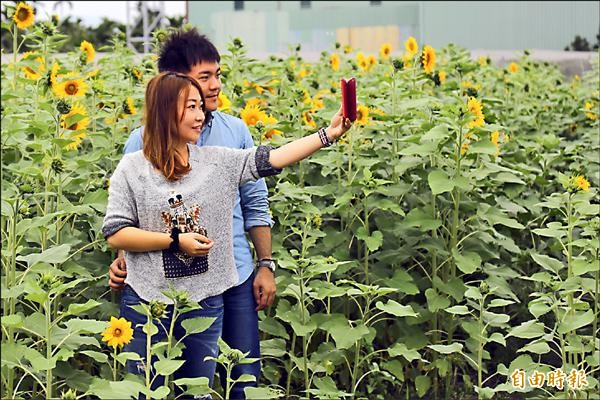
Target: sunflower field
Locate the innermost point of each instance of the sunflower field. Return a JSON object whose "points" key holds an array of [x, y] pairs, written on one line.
{"points": [[446, 248]]}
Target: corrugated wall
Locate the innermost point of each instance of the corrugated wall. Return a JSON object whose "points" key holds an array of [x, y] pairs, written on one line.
{"points": [[271, 26]]}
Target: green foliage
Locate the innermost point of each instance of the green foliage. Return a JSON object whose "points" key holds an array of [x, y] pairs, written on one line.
{"points": [[429, 253]]}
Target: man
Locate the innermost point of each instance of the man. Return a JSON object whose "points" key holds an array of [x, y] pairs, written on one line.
{"points": [[193, 54]]}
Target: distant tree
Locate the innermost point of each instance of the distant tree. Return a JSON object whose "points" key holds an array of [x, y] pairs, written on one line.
{"points": [[582, 44]]}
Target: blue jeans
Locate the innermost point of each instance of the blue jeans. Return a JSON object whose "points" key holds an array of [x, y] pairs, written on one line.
{"points": [[240, 331], [197, 346]]}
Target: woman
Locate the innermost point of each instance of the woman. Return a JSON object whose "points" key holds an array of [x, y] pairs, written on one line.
{"points": [[169, 208]]}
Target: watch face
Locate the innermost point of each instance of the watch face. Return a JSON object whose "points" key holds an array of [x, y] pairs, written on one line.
{"points": [[268, 264]]}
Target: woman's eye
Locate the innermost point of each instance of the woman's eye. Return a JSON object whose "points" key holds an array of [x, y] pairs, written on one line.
{"points": [[192, 106]]}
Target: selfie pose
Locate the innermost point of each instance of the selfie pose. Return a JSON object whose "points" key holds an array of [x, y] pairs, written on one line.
{"points": [[170, 205]]}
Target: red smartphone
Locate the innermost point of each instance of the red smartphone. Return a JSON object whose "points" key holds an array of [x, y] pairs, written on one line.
{"points": [[349, 98]]}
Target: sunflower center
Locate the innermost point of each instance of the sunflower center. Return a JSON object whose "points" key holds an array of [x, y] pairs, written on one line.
{"points": [[22, 14], [71, 88], [253, 120], [117, 332], [359, 115]]}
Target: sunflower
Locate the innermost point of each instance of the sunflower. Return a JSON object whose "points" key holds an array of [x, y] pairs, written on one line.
{"points": [[407, 60], [495, 139], [23, 16], [129, 106], [482, 61], [34, 74], [581, 183], [71, 87], [118, 333], [591, 115], [270, 120], [362, 115], [223, 103], [255, 101], [89, 51], [82, 123], [385, 50], [360, 56], [475, 108], [442, 76], [137, 74], [76, 141], [372, 60], [54, 73], [252, 114], [428, 59], [308, 119], [363, 63], [464, 148], [411, 46], [347, 49], [513, 67], [334, 61]]}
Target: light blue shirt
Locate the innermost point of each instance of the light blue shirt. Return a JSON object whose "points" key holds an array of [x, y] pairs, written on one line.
{"points": [[252, 205]]}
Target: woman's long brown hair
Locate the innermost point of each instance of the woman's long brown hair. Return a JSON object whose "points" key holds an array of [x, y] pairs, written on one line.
{"points": [[161, 119]]}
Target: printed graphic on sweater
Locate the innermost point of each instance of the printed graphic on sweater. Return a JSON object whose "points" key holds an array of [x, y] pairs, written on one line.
{"points": [[179, 264]]}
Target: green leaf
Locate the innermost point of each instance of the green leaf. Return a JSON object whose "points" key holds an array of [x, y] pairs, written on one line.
{"points": [[500, 303], [397, 309], [439, 182], [483, 147], [422, 383], [435, 134], [167, 367], [436, 301], [373, 241], [114, 390], [467, 262], [273, 328], [527, 330], [537, 348], [197, 324], [549, 263], [575, 320], [75, 309], [460, 310], [57, 254], [400, 349], [96, 355], [273, 347], [262, 393], [446, 348], [344, 335], [582, 266], [498, 338]]}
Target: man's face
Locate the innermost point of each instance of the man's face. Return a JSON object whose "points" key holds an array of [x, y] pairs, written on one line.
{"points": [[208, 76]]}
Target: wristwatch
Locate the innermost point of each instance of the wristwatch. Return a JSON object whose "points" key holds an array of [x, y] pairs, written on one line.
{"points": [[267, 263]]}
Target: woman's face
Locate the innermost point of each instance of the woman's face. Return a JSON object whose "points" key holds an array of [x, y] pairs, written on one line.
{"points": [[192, 116]]}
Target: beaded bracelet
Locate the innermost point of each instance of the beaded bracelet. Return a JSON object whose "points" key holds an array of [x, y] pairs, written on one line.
{"points": [[324, 139]]}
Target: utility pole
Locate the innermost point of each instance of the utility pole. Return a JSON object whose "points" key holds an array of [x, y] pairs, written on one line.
{"points": [[148, 22]]}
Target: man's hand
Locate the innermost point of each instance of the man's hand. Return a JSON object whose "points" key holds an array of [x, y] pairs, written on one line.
{"points": [[264, 288], [117, 273]]}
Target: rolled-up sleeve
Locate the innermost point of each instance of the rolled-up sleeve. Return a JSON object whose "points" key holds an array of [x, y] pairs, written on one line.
{"points": [[121, 211], [254, 196]]}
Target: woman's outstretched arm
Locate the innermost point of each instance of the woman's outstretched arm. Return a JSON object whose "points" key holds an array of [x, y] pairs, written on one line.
{"points": [[299, 149]]}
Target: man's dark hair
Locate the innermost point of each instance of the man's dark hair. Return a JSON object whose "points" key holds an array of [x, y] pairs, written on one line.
{"points": [[184, 49]]}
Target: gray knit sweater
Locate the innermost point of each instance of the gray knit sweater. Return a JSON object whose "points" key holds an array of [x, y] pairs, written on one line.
{"points": [[202, 201]]}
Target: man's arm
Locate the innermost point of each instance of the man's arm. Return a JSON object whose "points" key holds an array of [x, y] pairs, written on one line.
{"points": [[257, 222], [264, 283]]}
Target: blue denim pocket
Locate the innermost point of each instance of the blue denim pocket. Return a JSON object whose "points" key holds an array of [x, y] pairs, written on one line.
{"points": [[214, 302]]}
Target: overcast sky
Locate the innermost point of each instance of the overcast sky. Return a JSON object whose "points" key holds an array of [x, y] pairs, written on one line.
{"points": [[91, 12]]}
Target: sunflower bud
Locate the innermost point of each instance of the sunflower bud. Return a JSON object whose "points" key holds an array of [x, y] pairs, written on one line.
{"points": [[55, 19], [157, 309], [63, 107], [160, 35], [314, 85], [70, 394], [338, 45], [235, 356], [237, 90], [484, 287], [237, 42], [48, 28], [398, 64], [57, 165], [471, 92], [48, 282], [298, 47]]}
